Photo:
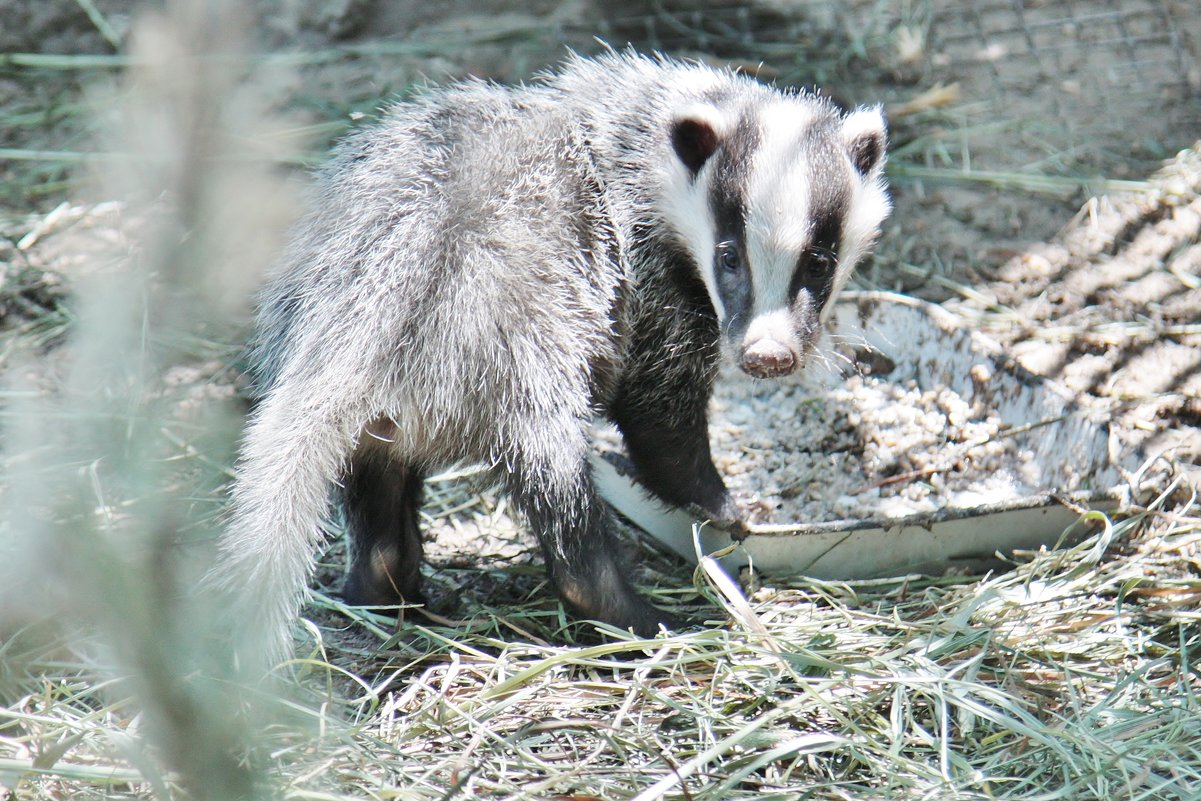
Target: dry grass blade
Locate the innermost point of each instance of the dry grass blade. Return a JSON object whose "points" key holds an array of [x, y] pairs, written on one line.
{"points": [[1055, 185], [101, 22]]}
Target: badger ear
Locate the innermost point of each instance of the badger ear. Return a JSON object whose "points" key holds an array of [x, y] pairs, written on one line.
{"points": [[865, 137], [695, 136]]}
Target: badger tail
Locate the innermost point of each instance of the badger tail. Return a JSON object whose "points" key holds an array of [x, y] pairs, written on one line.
{"points": [[291, 453]]}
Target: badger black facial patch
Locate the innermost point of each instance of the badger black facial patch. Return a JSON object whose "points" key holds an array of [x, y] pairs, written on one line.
{"points": [[735, 286], [829, 202], [817, 266], [727, 199]]}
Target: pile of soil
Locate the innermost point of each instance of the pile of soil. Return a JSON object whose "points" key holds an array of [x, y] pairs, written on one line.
{"points": [[1111, 308]]}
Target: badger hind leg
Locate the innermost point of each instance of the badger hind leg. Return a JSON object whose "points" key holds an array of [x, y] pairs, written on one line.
{"points": [[551, 484], [381, 501]]}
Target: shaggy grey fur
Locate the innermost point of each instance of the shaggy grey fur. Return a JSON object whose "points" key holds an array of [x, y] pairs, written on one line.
{"points": [[486, 268]]}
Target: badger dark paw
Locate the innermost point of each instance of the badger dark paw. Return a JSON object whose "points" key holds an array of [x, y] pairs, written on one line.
{"points": [[729, 516], [650, 622], [357, 591]]}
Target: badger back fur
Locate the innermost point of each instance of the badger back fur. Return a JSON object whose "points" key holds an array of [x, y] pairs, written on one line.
{"points": [[486, 268]]}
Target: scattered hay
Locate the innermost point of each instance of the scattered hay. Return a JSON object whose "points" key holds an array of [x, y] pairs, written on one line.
{"points": [[1072, 676]]}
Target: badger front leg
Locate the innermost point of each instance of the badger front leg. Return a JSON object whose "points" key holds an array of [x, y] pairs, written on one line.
{"points": [[551, 484], [666, 432]]}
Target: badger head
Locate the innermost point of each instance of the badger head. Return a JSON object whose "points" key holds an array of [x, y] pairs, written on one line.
{"points": [[776, 202]]}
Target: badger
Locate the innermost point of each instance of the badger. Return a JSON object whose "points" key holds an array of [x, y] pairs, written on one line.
{"points": [[487, 268]]}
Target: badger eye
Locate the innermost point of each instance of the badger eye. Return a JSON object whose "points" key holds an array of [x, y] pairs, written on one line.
{"points": [[823, 259], [728, 258]]}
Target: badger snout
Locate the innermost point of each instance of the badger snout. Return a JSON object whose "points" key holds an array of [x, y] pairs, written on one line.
{"points": [[767, 358], [771, 345]]}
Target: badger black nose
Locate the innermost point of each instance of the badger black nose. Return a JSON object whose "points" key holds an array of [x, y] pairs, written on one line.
{"points": [[767, 358]]}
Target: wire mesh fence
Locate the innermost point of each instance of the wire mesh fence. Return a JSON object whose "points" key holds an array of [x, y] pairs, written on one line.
{"points": [[1086, 83], [1048, 85]]}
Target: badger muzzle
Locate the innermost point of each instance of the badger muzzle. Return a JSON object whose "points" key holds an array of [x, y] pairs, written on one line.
{"points": [[767, 358], [771, 346]]}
